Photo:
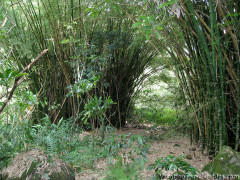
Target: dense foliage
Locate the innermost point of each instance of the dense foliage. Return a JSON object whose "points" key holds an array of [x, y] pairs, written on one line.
{"points": [[203, 41], [100, 66]]}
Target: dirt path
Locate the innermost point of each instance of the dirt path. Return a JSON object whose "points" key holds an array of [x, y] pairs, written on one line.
{"points": [[175, 145]]}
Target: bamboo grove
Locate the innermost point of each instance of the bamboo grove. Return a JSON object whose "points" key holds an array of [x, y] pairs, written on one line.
{"points": [[197, 39], [89, 44], [202, 38], [209, 70]]}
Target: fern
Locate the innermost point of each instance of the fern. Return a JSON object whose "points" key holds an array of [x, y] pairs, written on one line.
{"points": [[51, 144]]}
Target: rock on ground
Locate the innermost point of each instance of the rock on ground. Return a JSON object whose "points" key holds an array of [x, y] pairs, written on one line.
{"points": [[35, 165], [226, 163]]}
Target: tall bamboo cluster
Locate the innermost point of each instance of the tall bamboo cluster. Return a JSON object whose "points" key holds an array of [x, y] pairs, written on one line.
{"points": [[84, 38], [202, 38], [129, 57], [42, 25], [207, 65]]}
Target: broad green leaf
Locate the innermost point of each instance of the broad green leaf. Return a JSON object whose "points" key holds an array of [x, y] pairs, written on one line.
{"points": [[1, 75], [21, 74], [140, 140], [14, 73], [7, 73], [136, 24]]}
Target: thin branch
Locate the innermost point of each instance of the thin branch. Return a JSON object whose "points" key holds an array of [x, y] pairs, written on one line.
{"points": [[16, 84]]}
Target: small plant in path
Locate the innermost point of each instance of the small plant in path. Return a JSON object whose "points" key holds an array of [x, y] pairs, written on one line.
{"points": [[175, 164]]}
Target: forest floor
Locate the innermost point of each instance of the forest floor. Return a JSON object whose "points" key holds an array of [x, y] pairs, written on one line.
{"points": [[173, 144]]}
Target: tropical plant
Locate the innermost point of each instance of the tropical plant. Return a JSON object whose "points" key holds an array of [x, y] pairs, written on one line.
{"points": [[175, 164], [56, 139], [129, 148]]}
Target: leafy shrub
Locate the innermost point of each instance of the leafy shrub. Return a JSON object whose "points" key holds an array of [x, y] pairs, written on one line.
{"points": [[13, 138], [175, 164], [83, 156], [156, 116], [56, 138], [125, 146]]}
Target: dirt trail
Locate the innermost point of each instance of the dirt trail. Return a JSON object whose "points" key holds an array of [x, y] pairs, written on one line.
{"points": [[176, 145]]}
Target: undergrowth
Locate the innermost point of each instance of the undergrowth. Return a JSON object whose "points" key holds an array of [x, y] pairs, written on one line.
{"points": [[175, 165], [120, 172], [64, 140], [126, 154], [166, 116]]}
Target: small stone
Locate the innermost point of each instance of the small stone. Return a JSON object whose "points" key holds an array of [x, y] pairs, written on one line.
{"points": [[164, 129], [189, 157], [192, 149], [210, 157]]}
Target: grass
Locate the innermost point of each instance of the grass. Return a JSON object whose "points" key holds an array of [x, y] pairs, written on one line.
{"points": [[166, 116]]}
